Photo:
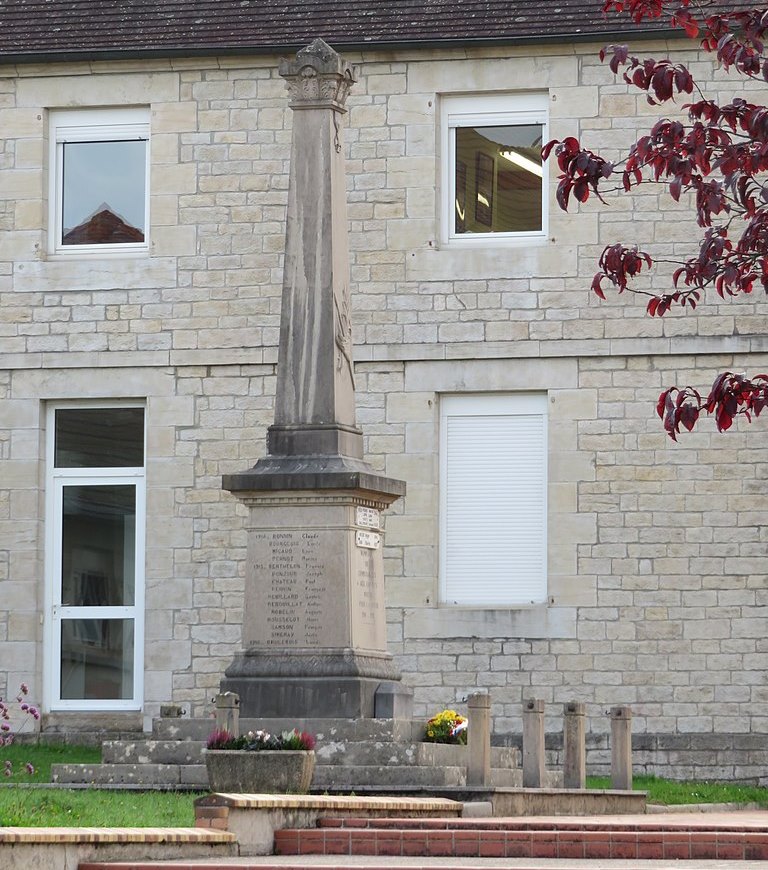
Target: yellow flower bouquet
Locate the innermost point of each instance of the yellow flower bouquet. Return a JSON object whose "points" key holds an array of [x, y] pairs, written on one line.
{"points": [[447, 726]]}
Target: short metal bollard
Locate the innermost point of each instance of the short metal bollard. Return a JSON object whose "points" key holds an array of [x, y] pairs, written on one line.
{"points": [[621, 748], [533, 743], [479, 739], [574, 745], [228, 713]]}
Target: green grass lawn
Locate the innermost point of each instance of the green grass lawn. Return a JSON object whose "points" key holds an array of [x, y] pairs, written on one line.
{"points": [[668, 792], [42, 757], [37, 807], [41, 807]]}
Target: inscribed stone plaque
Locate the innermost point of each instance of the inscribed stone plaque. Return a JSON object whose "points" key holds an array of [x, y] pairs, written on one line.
{"points": [[294, 570], [367, 517], [369, 540], [367, 599]]}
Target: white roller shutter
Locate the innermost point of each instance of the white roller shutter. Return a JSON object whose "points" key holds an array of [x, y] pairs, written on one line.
{"points": [[493, 530]]}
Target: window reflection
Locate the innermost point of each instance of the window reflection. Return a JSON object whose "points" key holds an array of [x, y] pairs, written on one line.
{"points": [[103, 192], [97, 659], [99, 437], [498, 178], [98, 546]]}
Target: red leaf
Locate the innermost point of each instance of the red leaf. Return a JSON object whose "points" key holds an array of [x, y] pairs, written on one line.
{"points": [[581, 189], [596, 288], [723, 419], [545, 151], [688, 416]]}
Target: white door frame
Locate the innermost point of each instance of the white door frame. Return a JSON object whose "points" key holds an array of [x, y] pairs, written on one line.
{"points": [[56, 480]]}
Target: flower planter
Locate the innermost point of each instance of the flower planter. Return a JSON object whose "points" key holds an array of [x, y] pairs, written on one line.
{"points": [[282, 771]]}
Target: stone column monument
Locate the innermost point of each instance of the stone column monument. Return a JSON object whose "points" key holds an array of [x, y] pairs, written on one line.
{"points": [[314, 639]]}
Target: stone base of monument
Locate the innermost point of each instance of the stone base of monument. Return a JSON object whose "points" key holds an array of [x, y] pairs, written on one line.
{"points": [[373, 755], [333, 696], [314, 621]]}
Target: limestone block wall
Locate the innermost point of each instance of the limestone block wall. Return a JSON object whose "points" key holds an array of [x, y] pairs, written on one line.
{"points": [[656, 575]]}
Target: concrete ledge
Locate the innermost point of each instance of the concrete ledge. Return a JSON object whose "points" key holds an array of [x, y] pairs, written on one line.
{"points": [[67, 848], [378, 805], [112, 835], [254, 818], [566, 802]]}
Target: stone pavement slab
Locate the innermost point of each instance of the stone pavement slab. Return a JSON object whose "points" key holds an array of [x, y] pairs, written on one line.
{"points": [[336, 862]]}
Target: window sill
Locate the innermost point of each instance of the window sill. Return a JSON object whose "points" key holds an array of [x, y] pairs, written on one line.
{"points": [[493, 240], [89, 255], [531, 621], [64, 274], [469, 262]]}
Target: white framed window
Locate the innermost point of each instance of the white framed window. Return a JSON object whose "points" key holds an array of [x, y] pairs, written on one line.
{"points": [[95, 546], [493, 500], [493, 180], [99, 181]]}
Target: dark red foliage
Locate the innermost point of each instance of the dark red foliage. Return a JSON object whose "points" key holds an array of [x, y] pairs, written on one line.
{"points": [[580, 170], [720, 156], [619, 264], [730, 396]]}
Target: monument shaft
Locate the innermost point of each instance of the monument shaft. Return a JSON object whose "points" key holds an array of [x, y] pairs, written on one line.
{"points": [[315, 397]]}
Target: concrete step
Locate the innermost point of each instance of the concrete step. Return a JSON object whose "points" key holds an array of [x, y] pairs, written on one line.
{"points": [[338, 777], [152, 752], [44, 848], [354, 730], [329, 750], [326, 776], [629, 838], [424, 754], [131, 774]]}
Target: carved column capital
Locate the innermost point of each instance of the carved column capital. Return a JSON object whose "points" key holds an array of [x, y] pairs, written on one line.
{"points": [[318, 77]]}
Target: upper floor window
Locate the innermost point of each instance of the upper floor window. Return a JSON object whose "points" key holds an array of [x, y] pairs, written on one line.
{"points": [[493, 179], [99, 194]]}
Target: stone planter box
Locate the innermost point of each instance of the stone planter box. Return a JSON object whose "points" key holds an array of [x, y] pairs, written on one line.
{"points": [[282, 771]]}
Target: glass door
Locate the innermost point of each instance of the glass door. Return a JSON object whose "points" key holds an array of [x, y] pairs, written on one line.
{"points": [[95, 559]]}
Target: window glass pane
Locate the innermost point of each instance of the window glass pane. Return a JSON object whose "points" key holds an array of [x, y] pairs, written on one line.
{"points": [[103, 192], [97, 659], [98, 546], [498, 179], [99, 438]]}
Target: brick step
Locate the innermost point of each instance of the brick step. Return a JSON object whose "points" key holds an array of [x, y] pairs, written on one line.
{"points": [[486, 841], [687, 822]]}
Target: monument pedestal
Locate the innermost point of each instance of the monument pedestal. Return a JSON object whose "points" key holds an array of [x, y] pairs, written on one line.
{"points": [[314, 623]]}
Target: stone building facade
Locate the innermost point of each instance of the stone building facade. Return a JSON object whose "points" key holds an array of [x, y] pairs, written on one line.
{"points": [[655, 583]]}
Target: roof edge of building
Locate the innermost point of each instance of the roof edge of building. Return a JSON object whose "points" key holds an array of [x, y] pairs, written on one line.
{"points": [[108, 54]]}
